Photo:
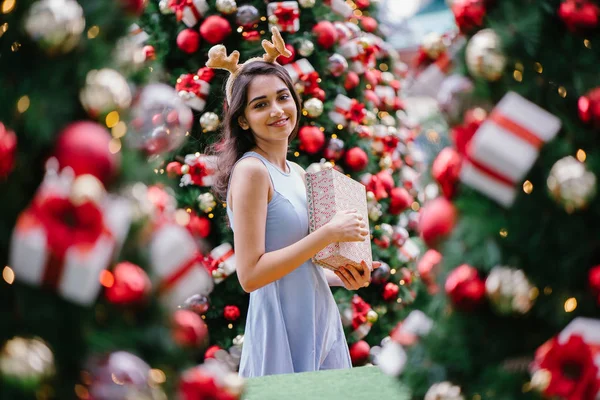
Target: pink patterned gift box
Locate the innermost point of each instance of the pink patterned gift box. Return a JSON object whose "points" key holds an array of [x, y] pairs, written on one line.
{"points": [[329, 191]]}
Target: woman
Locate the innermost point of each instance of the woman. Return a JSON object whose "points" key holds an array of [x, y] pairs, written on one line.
{"points": [[293, 323]]}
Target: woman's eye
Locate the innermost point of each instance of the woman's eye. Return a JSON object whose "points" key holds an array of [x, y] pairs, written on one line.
{"points": [[284, 97], [259, 105]]}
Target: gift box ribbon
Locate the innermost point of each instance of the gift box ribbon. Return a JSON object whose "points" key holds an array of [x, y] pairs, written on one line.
{"points": [[286, 16], [179, 6], [192, 84]]}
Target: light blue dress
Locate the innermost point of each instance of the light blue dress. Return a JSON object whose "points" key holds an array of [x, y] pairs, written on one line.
{"points": [[293, 324]]}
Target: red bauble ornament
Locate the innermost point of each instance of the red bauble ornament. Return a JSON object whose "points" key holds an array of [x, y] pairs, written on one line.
{"points": [[356, 159], [215, 29], [369, 24], [465, 288], [174, 169], [135, 6], [189, 330], [390, 291], [8, 149], [149, 52], [326, 34], [362, 4], [372, 98], [594, 282], [131, 284], [371, 77], [468, 14], [427, 268], [231, 313], [188, 41], [251, 36], [286, 60], [400, 200], [359, 352], [446, 170], [197, 384], [199, 226], [352, 80], [463, 134], [312, 139], [84, 146], [437, 220], [589, 108], [211, 351], [579, 15]]}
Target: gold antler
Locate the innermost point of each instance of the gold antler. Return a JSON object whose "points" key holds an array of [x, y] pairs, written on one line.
{"points": [[217, 58], [276, 48]]}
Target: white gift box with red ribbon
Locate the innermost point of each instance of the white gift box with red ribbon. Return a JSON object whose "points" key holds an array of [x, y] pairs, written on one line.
{"points": [[201, 170], [76, 276], [138, 35], [299, 68], [342, 105], [340, 7], [177, 265], [193, 91], [589, 330], [427, 82], [285, 15], [505, 147], [386, 94], [189, 11], [221, 262], [409, 251]]}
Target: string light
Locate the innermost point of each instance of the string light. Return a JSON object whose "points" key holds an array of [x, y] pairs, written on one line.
{"points": [[23, 104], [547, 290], [119, 130], [230, 326], [415, 206], [114, 146], [8, 6], [112, 119], [587, 43], [384, 67], [503, 232], [296, 154], [570, 304], [107, 279], [15, 47], [581, 156], [527, 187], [157, 376], [562, 91], [8, 274], [3, 28], [518, 76], [93, 32], [538, 67]]}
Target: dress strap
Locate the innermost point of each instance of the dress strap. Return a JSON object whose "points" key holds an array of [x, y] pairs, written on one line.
{"points": [[255, 155]]}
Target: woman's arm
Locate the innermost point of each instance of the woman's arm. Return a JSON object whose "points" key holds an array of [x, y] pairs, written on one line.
{"points": [[249, 194]]}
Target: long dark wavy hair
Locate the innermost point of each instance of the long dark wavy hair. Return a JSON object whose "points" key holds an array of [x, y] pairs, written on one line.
{"points": [[234, 141]]}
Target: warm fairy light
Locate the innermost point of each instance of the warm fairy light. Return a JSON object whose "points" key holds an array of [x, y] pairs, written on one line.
{"points": [[224, 205], [519, 67], [188, 210], [211, 216], [534, 293], [547, 290], [82, 392], [334, 136], [114, 146], [296, 154], [587, 43], [203, 316], [162, 171], [384, 67], [399, 300], [518, 75], [119, 130], [562, 91], [538, 68], [15, 47], [581, 156], [393, 271], [368, 86], [402, 282], [358, 13], [340, 127], [107, 279], [8, 6], [415, 206], [240, 29], [476, 397], [23, 104], [527, 187], [3, 28], [570, 304], [322, 129], [8, 274], [197, 154], [157, 376], [503, 232], [230, 326], [112, 119], [182, 217], [263, 19], [93, 32]]}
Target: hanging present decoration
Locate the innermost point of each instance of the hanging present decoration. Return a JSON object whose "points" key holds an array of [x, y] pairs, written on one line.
{"points": [[358, 316], [505, 147], [298, 69], [221, 262], [189, 11], [195, 88], [285, 15], [178, 267], [68, 235], [198, 169], [340, 7], [347, 110]]}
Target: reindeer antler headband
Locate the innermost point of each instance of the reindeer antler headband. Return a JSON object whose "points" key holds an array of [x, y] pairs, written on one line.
{"points": [[218, 58]]}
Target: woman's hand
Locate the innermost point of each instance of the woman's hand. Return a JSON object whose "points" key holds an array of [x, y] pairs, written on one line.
{"points": [[347, 226], [354, 280]]}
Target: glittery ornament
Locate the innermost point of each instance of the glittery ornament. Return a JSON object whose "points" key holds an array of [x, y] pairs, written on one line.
{"points": [[56, 25], [509, 290], [25, 363], [206, 202], [306, 48], [337, 65], [571, 184], [484, 55], [105, 90], [433, 45], [197, 303], [209, 121], [247, 16], [226, 6], [313, 107]]}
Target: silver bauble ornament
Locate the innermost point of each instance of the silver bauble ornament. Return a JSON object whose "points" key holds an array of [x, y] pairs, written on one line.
{"points": [[209, 121], [247, 15], [26, 362], [433, 45], [337, 64], [164, 8], [206, 202], [307, 3], [226, 6], [56, 25], [509, 290], [444, 391], [306, 48], [313, 107], [484, 55], [105, 90], [571, 184]]}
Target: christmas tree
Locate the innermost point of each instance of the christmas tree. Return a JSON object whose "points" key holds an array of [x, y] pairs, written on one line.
{"points": [[514, 259], [84, 307], [349, 80]]}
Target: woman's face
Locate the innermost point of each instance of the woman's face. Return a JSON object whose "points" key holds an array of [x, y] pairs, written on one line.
{"points": [[270, 112]]}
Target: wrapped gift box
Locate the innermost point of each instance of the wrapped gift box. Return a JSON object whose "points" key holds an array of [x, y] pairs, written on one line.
{"points": [[221, 262], [505, 147], [329, 191], [193, 91], [340, 7], [299, 68], [342, 105], [189, 11], [285, 15]]}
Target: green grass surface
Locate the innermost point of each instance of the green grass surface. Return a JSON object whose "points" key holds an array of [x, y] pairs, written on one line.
{"points": [[364, 383]]}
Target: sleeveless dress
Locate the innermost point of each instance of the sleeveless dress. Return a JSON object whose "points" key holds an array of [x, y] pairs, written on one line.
{"points": [[293, 324]]}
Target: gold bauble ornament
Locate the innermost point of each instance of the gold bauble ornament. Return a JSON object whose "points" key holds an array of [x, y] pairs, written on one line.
{"points": [[484, 55], [571, 184], [372, 316], [209, 121], [509, 290], [313, 107], [226, 6], [206, 202], [26, 362], [87, 188], [105, 90], [433, 45], [307, 3], [306, 48]]}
